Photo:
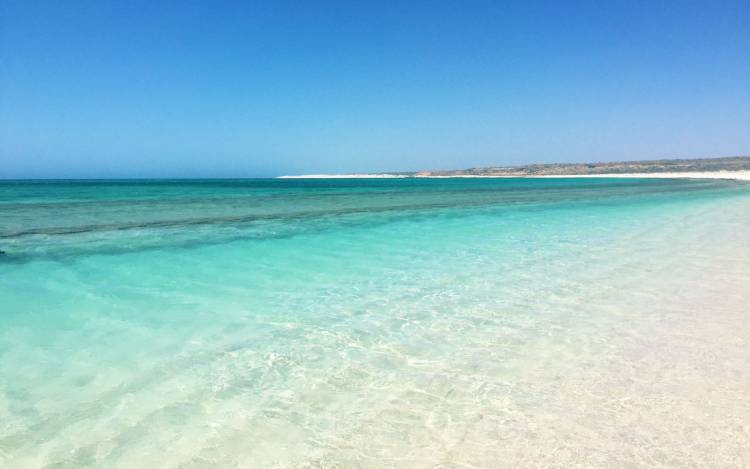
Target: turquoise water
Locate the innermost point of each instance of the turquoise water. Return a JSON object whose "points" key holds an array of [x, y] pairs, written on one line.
{"points": [[371, 323]]}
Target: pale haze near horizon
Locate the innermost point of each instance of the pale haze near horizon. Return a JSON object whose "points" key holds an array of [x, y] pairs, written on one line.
{"points": [[237, 89]]}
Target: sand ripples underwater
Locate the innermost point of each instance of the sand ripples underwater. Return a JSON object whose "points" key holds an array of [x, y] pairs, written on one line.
{"points": [[396, 323]]}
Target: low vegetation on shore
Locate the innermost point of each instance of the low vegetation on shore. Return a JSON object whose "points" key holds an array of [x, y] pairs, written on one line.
{"points": [[732, 163]]}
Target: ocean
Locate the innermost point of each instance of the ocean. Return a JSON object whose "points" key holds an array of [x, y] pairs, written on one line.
{"points": [[375, 323]]}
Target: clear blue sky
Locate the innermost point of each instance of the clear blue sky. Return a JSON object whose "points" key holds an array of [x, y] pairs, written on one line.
{"points": [[222, 89]]}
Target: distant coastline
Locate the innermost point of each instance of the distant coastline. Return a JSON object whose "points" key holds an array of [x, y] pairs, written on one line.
{"points": [[735, 167], [346, 176]]}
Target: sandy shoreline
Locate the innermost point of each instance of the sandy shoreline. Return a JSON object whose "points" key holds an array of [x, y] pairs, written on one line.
{"points": [[344, 176], [736, 175]]}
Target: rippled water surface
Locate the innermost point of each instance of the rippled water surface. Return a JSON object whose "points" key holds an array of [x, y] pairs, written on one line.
{"points": [[375, 323]]}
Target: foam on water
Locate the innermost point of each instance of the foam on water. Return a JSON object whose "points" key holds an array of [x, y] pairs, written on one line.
{"points": [[375, 323]]}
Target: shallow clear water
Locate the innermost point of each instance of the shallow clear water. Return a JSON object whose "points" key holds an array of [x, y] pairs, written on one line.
{"points": [[371, 323]]}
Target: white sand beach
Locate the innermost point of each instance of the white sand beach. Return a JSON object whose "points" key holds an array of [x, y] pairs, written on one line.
{"points": [[343, 176], [737, 175]]}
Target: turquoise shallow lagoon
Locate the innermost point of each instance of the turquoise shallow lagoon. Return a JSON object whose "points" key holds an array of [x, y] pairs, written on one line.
{"points": [[375, 323]]}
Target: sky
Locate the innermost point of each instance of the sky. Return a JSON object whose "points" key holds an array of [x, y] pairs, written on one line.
{"points": [[103, 89]]}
